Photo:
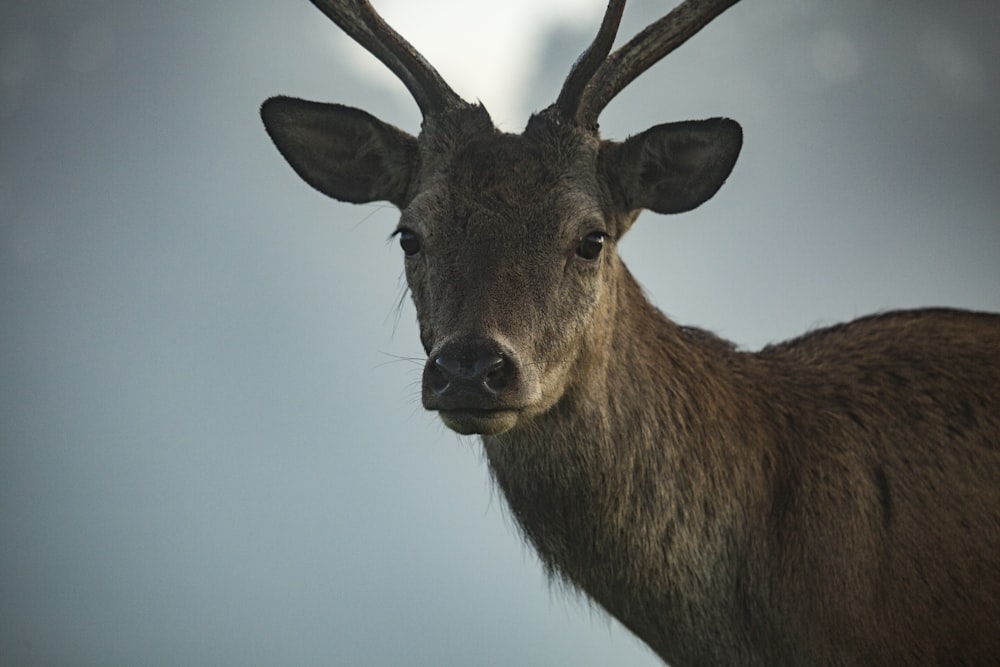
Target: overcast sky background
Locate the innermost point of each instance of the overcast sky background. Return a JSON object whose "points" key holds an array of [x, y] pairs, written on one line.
{"points": [[209, 452]]}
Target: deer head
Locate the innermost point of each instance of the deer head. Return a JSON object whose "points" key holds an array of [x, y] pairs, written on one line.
{"points": [[510, 241]]}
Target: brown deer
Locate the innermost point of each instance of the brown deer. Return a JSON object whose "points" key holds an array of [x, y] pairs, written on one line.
{"points": [[834, 499]]}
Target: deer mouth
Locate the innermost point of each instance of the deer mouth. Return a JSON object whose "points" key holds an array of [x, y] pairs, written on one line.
{"points": [[481, 422]]}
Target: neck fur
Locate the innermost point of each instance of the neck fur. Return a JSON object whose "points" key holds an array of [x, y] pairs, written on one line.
{"points": [[623, 487]]}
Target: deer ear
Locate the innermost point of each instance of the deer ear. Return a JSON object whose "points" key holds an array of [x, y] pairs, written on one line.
{"points": [[343, 152], [673, 167]]}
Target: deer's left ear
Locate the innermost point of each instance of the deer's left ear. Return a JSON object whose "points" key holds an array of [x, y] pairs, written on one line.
{"points": [[343, 152], [673, 167]]}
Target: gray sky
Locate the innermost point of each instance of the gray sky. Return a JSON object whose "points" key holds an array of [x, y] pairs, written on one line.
{"points": [[212, 450]]}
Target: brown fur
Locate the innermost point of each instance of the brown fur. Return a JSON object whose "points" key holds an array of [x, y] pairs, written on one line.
{"points": [[833, 500], [830, 500]]}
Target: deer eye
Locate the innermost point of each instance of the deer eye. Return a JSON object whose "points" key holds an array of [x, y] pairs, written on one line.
{"points": [[591, 245], [408, 241]]}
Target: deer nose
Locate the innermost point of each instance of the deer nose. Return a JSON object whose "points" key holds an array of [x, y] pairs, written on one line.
{"points": [[473, 368]]}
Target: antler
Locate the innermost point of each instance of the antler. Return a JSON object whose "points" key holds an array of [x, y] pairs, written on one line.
{"points": [[587, 65], [363, 24], [597, 78]]}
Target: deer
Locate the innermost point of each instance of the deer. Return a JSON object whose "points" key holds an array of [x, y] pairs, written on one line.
{"points": [[829, 500]]}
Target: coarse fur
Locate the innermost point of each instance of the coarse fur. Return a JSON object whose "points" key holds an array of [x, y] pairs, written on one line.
{"points": [[834, 499]]}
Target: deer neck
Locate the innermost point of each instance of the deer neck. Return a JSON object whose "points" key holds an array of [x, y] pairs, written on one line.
{"points": [[625, 477]]}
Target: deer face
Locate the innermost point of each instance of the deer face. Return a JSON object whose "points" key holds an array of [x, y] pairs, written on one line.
{"points": [[507, 257], [509, 241]]}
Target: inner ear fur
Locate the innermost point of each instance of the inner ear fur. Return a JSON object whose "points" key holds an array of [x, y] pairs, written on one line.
{"points": [[673, 167], [343, 152]]}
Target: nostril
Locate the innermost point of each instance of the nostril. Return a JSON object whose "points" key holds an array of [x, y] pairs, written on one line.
{"points": [[487, 364], [440, 373], [498, 374]]}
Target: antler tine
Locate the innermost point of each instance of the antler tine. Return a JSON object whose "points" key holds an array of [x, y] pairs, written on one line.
{"points": [[363, 24], [568, 102], [643, 51]]}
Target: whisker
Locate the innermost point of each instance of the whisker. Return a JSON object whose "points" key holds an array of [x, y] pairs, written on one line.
{"points": [[373, 208], [396, 358]]}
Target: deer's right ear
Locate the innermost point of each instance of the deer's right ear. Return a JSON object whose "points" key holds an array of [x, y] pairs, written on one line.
{"points": [[343, 152]]}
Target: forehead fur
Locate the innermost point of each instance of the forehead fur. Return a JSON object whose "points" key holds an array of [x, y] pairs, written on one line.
{"points": [[497, 162], [530, 164]]}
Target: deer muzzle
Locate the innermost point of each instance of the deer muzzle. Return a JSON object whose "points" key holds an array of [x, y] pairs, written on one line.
{"points": [[475, 384]]}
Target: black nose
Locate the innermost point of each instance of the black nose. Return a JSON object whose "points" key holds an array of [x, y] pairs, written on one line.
{"points": [[471, 372]]}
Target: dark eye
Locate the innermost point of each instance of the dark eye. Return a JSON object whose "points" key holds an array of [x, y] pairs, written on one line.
{"points": [[408, 241], [591, 245]]}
